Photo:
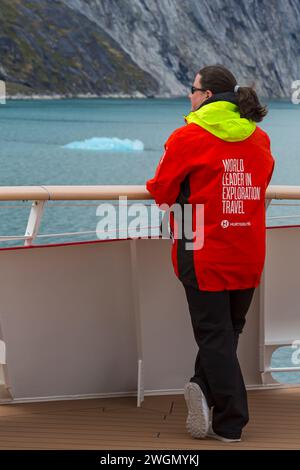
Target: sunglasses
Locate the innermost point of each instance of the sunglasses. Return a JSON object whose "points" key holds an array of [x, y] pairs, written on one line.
{"points": [[193, 89]]}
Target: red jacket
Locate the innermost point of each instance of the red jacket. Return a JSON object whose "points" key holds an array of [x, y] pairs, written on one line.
{"points": [[229, 177]]}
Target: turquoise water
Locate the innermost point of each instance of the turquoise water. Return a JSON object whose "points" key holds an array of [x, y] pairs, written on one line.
{"points": [[286, 357], [33, 135]]}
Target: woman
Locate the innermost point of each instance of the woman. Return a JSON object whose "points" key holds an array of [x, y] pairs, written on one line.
{"points": [[222, 160]]}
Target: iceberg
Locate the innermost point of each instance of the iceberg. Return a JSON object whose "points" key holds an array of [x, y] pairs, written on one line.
{"points": [[106, 143]]}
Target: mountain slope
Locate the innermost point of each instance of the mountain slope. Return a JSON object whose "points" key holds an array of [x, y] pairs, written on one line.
{"points": [[46, 47], [149, 47], [258, 39]]}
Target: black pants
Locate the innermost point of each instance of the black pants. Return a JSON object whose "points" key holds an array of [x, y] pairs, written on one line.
{"points": [[218, 319]]}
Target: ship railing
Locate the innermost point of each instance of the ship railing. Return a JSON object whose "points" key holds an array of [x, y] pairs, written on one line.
{"points": [[41, 195]]}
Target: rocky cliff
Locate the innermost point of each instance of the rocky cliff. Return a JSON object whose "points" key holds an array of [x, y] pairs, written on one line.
{"points": [[47, 48], [147, 47]]}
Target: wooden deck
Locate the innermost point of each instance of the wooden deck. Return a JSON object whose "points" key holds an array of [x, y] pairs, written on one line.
{"points": [[159, 424]]}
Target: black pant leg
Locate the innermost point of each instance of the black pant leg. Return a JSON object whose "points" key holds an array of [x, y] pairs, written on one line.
{"points": [[219, 369], [199, 371], [200, 378], [240, 301]]}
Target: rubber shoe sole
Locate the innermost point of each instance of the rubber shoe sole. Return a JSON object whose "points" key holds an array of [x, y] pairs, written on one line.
{"points": [[197, 422], [212, 435]]}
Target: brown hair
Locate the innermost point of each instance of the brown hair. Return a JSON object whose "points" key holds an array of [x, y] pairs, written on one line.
{"points": [[218, 79]]}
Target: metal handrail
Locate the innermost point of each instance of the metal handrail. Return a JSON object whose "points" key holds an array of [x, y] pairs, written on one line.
{"points": [[40, 195], [104, 192], [72, 193]]}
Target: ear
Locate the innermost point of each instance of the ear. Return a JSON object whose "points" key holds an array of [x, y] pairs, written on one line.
{"points": [[208, 94]]}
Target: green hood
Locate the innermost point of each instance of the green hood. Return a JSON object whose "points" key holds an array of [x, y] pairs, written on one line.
{"points": [[222, 119]]}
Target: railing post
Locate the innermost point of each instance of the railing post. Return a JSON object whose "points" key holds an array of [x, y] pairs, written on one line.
{"points": [[4, 387], [138, 320], [262, 346], [34, 221]]}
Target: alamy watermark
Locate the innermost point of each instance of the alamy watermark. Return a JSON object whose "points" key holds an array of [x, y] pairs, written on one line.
{"points": [[296, 354], [296, 92], [178, 221], [2, 92]]}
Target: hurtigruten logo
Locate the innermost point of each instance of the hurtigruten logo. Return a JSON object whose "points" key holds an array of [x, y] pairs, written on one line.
{"points": [[226, 224]]}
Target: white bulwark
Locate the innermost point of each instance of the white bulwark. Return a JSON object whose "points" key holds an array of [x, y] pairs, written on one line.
{"points": [[111, 319]]}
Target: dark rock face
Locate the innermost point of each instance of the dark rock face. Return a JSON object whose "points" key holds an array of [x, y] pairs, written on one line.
{"points": [[56, 50], [259, 40], [148, 47]]}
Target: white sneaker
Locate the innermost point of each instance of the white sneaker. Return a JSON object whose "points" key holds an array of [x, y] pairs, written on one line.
{"points": [[197, 422], [211, 434]]}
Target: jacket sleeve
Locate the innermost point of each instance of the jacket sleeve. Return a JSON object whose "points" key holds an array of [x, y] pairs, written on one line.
{"points": [[171, 171], [269, 177], [271, 173]]}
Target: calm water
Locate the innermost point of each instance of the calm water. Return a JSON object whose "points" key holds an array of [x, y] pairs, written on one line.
{"points": [[33, 133]]}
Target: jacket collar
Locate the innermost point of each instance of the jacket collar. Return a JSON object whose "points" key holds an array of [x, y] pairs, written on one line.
{"points": [[229, 96], [220, 116]]}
